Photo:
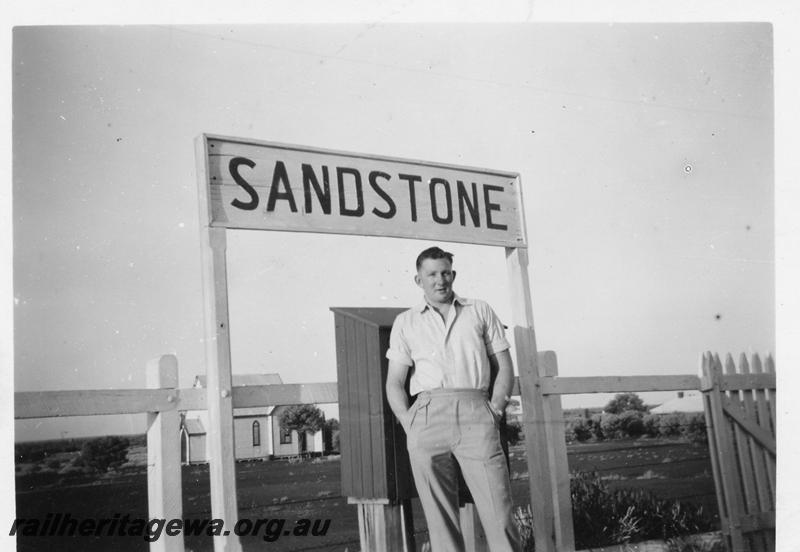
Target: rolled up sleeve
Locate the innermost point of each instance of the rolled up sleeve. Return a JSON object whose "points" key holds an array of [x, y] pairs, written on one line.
{"points": [[399, 350], [494, 334]]}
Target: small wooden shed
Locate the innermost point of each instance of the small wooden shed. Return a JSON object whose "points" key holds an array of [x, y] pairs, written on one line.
{"points": [[375, 461]]}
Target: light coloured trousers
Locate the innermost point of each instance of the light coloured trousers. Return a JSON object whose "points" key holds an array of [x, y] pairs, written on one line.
{"points": [[457, 425]]}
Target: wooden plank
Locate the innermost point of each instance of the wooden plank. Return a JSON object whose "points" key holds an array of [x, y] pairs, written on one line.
{"points": [[757, 455], [712, 446], [375, 384], [346, 482], [381, 527], [736, 412], [762, 539], [347, 423], [764, 421], [420, 200], [741, 442], [533, 422], [565, 535], [357, 500], [164, 492], [356, 414], [740, 382], [772, 405], [98, 402], [726, 459], [285, 394], [92, 402], [769, 368], [220, 433], [617, 384]]}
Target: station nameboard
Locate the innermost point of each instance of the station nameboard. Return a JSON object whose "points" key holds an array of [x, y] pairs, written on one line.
{"points": [[267, 186]]}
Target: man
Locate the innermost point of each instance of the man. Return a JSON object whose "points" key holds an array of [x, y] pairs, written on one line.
{"points": [[457, 351]]}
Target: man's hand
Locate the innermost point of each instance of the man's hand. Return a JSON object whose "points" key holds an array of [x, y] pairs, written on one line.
{"points": [[497, 411]]}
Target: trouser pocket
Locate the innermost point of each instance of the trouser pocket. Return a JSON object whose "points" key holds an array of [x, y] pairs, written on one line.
{"points": [[418, 409], [495, 418]]}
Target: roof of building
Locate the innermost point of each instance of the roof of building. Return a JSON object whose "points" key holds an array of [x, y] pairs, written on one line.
{"points": [[374, 316], [692, 401], [242, 380], [193, 426], [246, 412]]}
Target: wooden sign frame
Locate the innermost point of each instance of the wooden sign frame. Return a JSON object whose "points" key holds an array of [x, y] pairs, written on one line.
{"points": [[217, 335]]}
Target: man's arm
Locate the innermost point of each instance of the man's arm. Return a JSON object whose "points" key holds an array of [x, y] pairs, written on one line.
{"points": [[396, 391], [504, 367]]}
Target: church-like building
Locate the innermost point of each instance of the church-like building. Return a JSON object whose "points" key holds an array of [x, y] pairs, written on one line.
{"points": [[257, 431]]}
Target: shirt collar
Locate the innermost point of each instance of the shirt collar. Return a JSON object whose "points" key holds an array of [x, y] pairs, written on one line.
{"points": [[456, 299]]}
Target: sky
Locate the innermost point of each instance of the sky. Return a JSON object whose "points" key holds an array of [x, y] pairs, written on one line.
{"points": [[650, 231], [645, 153]]}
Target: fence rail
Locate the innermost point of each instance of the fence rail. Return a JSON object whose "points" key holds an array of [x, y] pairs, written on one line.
{"points": [[98, 402]]}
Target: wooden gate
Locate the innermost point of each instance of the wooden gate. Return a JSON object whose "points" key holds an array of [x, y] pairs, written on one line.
{"points": [[740, 417]]}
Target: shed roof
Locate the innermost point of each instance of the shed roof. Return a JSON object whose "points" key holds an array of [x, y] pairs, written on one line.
{"points": [[194, 426], [692, 401], [374, 316]]}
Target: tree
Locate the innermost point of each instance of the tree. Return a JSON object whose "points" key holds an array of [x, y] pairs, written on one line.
{"points": [[330, 435], [302, 418], [105, 453], [625, 401]]}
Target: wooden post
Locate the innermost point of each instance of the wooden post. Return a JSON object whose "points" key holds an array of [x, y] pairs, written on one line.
{"points": [[565, 535], [750, 498], [384, 527], [724, 463], [221, 461], [534, 422], [164, 455], [758, 455], [764, 421]]}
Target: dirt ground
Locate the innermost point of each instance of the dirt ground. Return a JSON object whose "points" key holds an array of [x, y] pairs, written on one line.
{"points": [[280, 489]]}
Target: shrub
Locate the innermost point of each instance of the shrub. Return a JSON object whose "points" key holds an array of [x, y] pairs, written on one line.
{"points": [[650, 423], [603, 517], [619, 426], [511, 432], [105, 453], [578, 429], [524, 519], [330, 435], [632, 422], [595, 423], [302, 418], [609, 423], [695, 428], [669, 425], [623, 402]]}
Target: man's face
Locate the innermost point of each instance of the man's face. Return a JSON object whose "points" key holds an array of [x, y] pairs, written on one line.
{"points": [[435, 277]]}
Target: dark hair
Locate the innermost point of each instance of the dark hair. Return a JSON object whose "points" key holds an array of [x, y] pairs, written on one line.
{"points": [[433, 253]]}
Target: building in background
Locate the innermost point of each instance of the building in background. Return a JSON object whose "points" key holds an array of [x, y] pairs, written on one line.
{"points": [[686, 401], [258, 433]]}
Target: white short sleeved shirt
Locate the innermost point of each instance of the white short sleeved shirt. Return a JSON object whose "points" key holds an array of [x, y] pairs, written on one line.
{"points": [[452, 353]]}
